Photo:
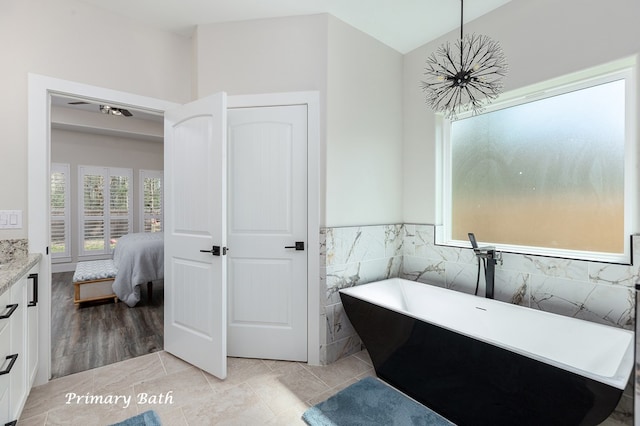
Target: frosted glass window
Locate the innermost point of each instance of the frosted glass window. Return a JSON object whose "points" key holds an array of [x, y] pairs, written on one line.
{"points": [[547, 173]]}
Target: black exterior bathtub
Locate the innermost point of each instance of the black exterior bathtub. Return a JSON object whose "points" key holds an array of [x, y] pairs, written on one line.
{"points": [[467, 379]]}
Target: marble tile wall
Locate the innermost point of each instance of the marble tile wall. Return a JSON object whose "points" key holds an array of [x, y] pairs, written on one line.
{"points": [[352, 256], [592, 291]]}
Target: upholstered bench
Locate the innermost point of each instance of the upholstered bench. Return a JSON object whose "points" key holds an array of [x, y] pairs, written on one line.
{"points": [[93, 281]]}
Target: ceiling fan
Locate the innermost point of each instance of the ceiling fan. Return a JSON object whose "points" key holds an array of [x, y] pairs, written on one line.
{"points": [[107, 109]]}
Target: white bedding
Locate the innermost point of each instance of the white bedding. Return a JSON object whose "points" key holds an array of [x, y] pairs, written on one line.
{"points": [[139, 259]]}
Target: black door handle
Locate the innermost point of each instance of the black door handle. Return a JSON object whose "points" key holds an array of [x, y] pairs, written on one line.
{"points": [[299, 246], [215, 251]]}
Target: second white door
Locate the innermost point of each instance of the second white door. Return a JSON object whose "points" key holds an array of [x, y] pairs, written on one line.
{"points": [[267, 232]]}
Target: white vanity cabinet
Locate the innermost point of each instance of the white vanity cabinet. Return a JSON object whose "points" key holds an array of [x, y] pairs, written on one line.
{"points": [[5, 351], [18, 344]]}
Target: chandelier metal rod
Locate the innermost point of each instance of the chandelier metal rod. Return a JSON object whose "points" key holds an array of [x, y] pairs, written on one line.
{"points": [[461, 24], [461, 18]]}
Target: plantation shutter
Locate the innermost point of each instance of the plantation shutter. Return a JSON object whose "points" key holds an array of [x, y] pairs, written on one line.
{"points": [[105, 208], [60, 215], [152, 202], [120, 211]]}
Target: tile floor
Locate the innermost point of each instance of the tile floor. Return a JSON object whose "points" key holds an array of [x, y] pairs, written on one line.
{"points": [[255, 392]]}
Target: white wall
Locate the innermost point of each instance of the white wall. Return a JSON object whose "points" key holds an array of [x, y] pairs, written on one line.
{"points": [[359, 80], [265, 56], [541, 39], [262, 56], [364, 129], [70, 40], [86, 149]]}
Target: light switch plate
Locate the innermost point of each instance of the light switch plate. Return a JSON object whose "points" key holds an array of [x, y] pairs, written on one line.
{"points": [[10, 219]]}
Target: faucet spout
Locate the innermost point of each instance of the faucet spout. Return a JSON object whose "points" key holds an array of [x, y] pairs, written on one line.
{"points": [[490, 255], [490, 273]]}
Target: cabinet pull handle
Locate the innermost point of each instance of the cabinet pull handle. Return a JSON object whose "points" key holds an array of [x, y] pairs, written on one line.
{"points": [[13, 361], [11, 308], [34, 302]]}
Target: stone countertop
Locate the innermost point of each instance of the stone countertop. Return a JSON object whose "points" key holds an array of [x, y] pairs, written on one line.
{"points": [[11, 272]]}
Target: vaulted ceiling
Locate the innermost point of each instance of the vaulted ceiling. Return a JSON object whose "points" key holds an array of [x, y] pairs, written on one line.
{"points": [[401, 24]]}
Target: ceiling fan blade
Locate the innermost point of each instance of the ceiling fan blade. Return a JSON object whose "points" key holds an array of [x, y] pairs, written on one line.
{"points": [[126, 112]]}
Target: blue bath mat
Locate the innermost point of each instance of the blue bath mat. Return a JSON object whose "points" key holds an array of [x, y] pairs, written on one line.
{"points": [[371, 402], [148, 418]]}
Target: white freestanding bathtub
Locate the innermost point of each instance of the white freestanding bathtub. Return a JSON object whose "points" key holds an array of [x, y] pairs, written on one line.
{"points": [[480, 361]]}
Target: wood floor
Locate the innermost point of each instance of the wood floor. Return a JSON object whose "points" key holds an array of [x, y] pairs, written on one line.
{"points": [[96, 334]]}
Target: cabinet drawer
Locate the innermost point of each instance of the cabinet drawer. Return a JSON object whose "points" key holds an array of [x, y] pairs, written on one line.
{"points": [[4, 351], [4, 405]]}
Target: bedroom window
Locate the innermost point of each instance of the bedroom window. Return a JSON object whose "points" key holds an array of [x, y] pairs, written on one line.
{"points": [[151, 202], [548, 172], [60, 220], [105, 208]]}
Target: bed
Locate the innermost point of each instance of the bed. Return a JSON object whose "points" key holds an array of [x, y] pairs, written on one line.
{"points": [[139, 259]]}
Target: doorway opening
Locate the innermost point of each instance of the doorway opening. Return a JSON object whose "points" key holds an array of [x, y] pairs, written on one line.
{"points": [[41, 91], [106, 182]]}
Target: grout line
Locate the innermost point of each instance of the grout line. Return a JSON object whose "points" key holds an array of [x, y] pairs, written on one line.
{"points": [[162, 363]]}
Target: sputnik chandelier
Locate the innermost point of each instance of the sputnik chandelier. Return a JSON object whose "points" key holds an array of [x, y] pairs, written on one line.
{"points": [[463, 77]]}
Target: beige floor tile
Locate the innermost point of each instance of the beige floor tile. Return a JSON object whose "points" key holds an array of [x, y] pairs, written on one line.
{"points": [[340, 371], [171, 417], [291, 417], [265, 392], [52, 394], [39, 420], [177, 389], [329, 393], [364, 356], [287, 391], [104, 409], [239, 370], [235, 365], [239, 405], [129, 372], [282, 366], [369, 373], [172, 363]]}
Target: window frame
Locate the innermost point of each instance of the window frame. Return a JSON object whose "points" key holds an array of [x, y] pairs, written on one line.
{"points": [[106, 173], [623, 69]]}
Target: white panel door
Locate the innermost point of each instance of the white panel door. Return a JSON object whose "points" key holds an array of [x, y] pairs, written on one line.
{"points": [[267, 217], [195, 217]]}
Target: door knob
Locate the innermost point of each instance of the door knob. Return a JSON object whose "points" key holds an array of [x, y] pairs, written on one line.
{"points": [[299, 246]]}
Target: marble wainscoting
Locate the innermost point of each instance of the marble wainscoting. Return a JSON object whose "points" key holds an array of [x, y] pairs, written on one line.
{"points": [[593, 291], [352, 256]]}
